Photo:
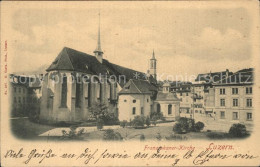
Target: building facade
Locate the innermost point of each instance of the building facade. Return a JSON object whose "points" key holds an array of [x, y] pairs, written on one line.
{"points": [[25, 94], [234, 97], [167, 103], [183, 92], [76, 81], [136, 98], [223, 96]]}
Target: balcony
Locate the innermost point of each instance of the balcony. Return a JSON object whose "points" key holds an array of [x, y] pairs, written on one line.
{"points": [[197, 97]]}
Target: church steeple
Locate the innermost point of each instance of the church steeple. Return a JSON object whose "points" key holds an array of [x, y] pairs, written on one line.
{"points": [[152, 67], [153, 55], [98, 52]]}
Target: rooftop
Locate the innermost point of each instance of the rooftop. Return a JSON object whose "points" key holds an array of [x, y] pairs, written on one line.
{"points": [[138, 87], [73, 60]]}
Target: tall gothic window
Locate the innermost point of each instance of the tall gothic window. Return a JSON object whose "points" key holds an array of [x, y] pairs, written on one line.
{"points": [[108, 90], [78, 99], [64, 91], [98, 90], [89, 94]]}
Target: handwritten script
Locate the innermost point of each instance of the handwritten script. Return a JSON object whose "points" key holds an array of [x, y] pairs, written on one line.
{"points": [[94, 156]]}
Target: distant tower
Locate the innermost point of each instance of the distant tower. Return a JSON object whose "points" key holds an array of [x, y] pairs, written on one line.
{"points": [[152, 66], [98, 52], [166, 87]]}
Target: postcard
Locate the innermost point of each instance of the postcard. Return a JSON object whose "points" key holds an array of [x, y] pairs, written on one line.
{"points": [[130, 83]]}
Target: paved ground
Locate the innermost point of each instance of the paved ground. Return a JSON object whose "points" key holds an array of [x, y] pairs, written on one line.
{"points": [[218, 125], [58, 131], [25, 129]]}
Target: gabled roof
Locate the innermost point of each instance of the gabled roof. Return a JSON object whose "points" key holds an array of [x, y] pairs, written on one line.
{"points": [[73, 60], [244, 76], [127, 72], [138, 87], [166, 97]]}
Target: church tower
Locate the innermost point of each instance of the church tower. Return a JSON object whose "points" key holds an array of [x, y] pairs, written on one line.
{"points": [[98, 52], [152, 66]]}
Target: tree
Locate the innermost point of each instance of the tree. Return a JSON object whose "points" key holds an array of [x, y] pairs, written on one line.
{"points": [[123, 123], [237, 130], [184, 125], [148, 121], [198, 126], [110, 134], [72, 133], [99, 112], [138, 121]]}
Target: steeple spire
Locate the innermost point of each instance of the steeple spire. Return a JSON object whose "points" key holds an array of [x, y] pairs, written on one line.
{"points": [[153, 55], [152, 68], [98, 52]]}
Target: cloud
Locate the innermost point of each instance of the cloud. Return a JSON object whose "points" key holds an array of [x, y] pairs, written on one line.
{"points": [[212, 44], [182, 40]]}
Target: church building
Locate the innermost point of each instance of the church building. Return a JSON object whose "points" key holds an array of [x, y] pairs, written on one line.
{"points": [[75, 81], [167, 103], [137, 96]]}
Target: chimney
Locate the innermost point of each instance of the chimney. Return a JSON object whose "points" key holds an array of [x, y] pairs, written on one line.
{"points": [[227, 73]]}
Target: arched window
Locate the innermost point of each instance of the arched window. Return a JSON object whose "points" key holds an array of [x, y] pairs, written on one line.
{"points": [[169, 109]]}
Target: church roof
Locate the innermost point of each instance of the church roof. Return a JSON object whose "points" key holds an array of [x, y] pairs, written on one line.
{"points": [[73, 60], [138, 87], [166, 97]]}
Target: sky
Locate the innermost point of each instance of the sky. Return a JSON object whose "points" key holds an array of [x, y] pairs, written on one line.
{"points": [[186, 41]]}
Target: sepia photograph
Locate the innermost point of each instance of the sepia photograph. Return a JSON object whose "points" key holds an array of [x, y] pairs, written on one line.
{"points": [[142, 72]]}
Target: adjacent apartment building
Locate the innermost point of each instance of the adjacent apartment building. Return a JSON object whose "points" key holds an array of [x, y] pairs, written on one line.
{"points": [[234, 97], [25, 94], [224, 96]]}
